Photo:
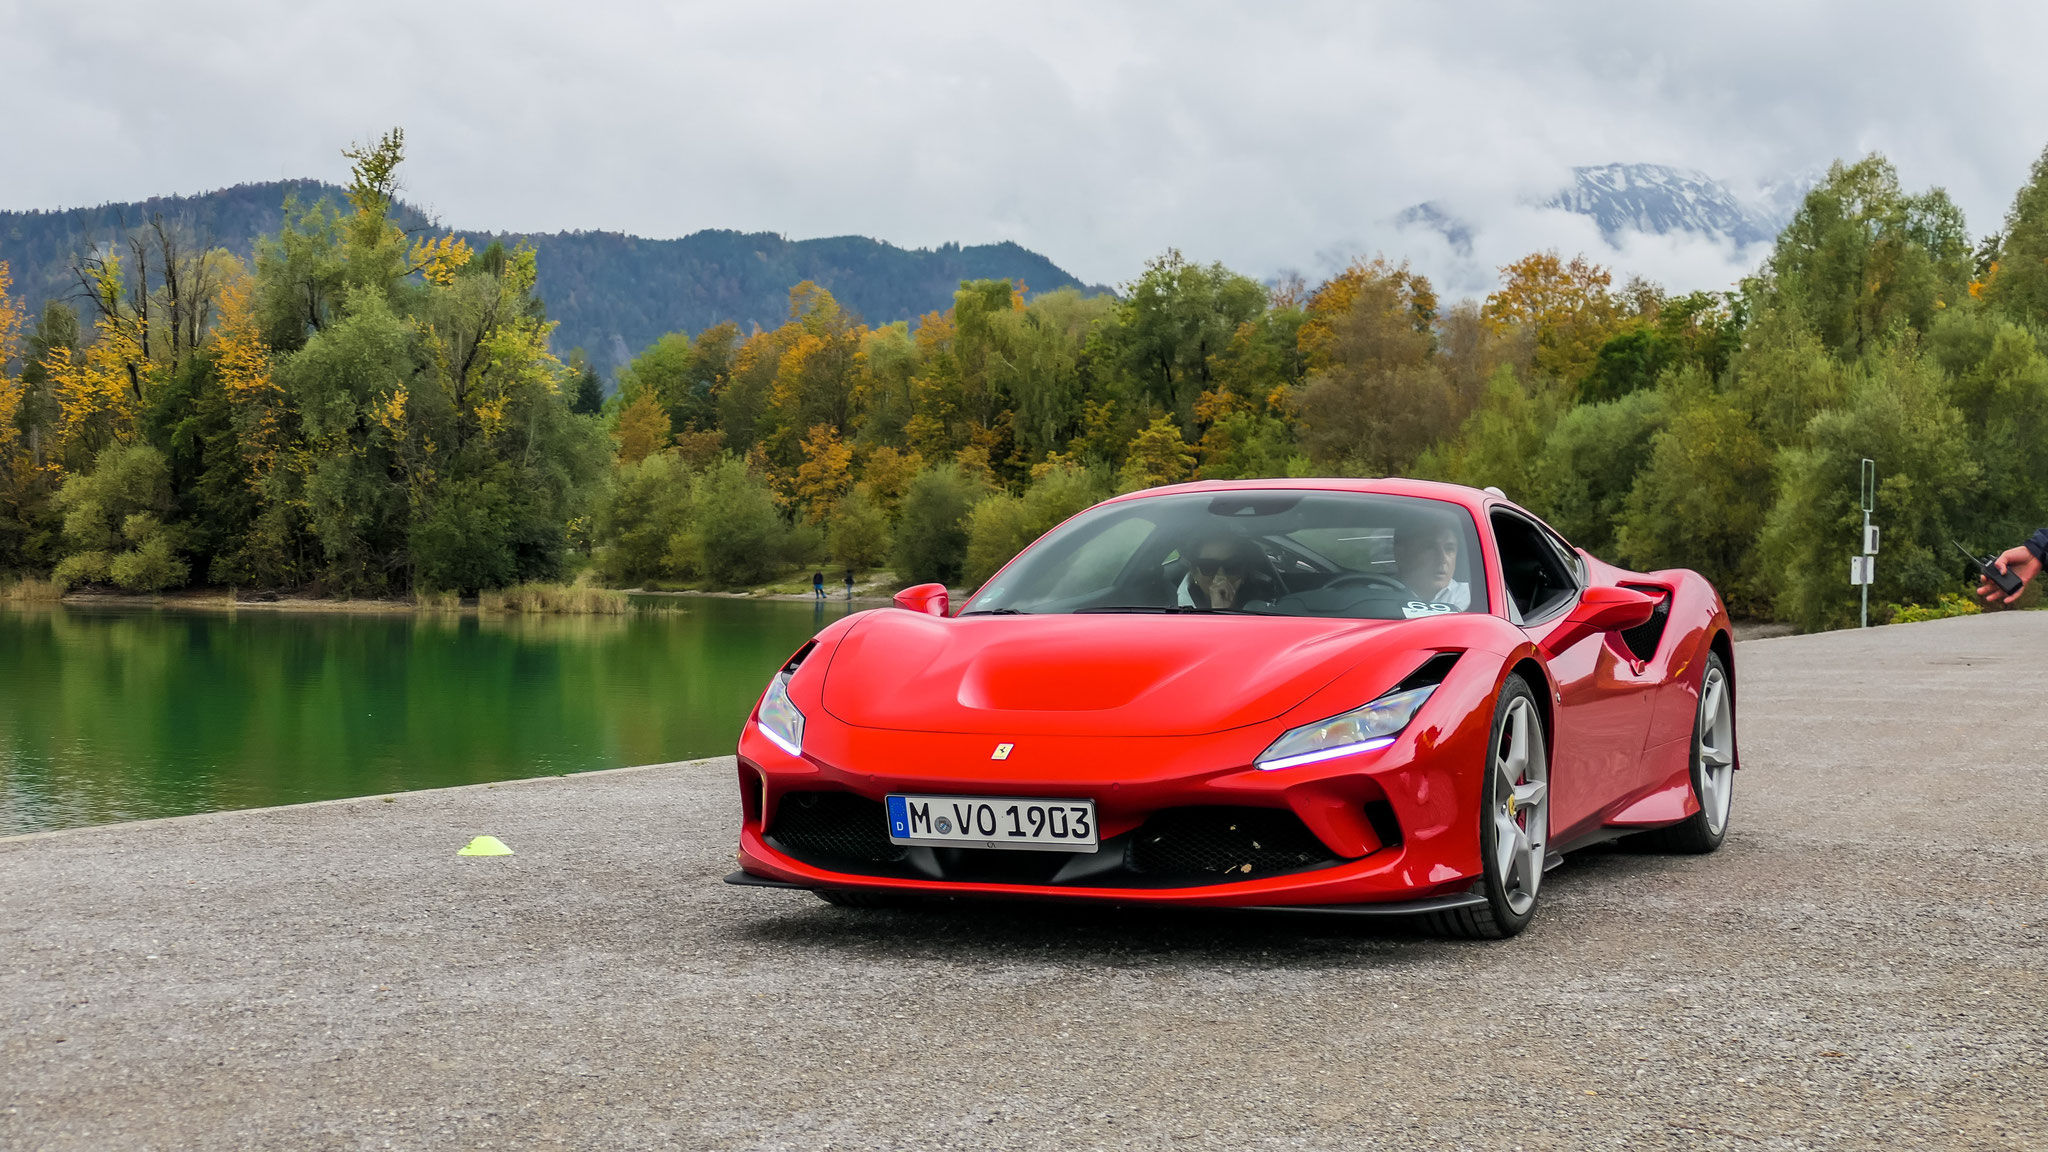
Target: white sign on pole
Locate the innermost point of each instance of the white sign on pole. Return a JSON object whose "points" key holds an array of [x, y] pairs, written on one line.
{"points": [[1862, 570], [1870, 539]]}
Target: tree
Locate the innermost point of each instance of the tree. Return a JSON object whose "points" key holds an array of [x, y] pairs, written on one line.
{"points": [[1698, 501], [588, 396], [859, 533], [1158, 456], [113, 522], [1861, 260], [2016, 279], [1898, 413], [649, 507], [643, 429], [1002, 525], [736, 536], [825, 473], [931, 529], [1567, 308], [1375, 398]]}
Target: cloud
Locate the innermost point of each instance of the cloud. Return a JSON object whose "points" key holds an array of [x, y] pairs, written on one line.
{"points": [[1267, 137]]}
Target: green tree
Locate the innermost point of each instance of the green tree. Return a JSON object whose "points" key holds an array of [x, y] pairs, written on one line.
{"points": [[1700, 500], [1862, 260], [931, 527], [736, 535], [647, 510], [2016, 282], [1897, 413], [113, 522], [858, 535]]}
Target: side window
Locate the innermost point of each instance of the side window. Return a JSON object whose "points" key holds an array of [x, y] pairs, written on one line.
{"points": [[1537, 578]]}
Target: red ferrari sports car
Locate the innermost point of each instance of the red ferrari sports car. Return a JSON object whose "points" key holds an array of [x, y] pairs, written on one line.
{"points": [[1360, 696]]}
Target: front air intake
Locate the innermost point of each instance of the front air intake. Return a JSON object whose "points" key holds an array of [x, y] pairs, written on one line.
{"points": [[1218, 845], [834, 829]]}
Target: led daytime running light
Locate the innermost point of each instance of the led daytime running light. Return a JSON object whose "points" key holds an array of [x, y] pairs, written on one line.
{"points": [[778, 718], [1365, 729]]}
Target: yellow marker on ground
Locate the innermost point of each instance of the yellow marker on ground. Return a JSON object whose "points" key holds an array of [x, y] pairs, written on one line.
{"points": [[484, 846]]}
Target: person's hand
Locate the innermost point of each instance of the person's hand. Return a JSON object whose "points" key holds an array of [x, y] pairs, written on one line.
{"points": [[2020, 563]]}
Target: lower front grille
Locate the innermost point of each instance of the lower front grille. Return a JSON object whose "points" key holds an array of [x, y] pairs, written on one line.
{"points": [[834, 828], [1224, 844]]}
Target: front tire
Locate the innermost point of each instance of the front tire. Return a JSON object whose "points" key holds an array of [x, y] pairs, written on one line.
{"points": [[1713, 770], [1514, 821]]}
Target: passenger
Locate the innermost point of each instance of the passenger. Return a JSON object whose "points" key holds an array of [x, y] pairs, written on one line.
{"points": [[1226, 572], [1426, 560]]}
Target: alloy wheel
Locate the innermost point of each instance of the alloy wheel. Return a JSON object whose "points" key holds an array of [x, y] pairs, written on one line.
{"points": [[1521, 804], [1714, 743]]}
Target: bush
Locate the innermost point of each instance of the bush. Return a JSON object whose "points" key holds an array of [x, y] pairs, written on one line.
{"points": [[1950, 604], [113, 529]]}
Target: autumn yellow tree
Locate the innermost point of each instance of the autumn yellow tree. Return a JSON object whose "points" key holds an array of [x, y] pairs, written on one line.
{"points": [[1569, 307], [101, 392], [643, 429], [825, 473], [13, 460]]}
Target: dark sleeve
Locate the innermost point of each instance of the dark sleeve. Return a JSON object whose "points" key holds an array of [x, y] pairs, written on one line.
{"points": [[2038, 545]]}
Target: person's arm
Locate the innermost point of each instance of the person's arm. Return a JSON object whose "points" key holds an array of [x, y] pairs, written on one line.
{"points": [[2024, 562]]}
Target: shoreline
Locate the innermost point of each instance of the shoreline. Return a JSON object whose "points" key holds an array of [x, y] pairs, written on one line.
{"points": [[213, 601]]}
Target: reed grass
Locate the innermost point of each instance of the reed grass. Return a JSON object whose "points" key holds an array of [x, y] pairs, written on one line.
{"points": [[556, 599], [32, 590]]}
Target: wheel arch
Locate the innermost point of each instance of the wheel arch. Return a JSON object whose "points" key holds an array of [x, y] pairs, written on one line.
{"points": [[1537, 677], [1723, 645]]}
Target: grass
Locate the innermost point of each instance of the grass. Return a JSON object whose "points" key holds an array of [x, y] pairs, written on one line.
{"points": [[31, 590], [556, 600]]}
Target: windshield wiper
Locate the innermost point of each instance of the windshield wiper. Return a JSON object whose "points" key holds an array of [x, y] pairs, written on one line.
{"points": [[997, 612]]}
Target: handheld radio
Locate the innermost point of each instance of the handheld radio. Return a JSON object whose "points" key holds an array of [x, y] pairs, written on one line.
{"points": [[1989, 566]]}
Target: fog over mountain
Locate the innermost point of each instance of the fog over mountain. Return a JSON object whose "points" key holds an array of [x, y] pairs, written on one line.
{"points": [[1614, 212]]}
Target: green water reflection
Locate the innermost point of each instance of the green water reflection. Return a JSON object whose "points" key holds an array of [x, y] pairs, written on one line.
{"points": [[122, 715]]}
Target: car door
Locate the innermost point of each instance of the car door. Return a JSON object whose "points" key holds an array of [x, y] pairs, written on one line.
{"points": [[1603, 693]]}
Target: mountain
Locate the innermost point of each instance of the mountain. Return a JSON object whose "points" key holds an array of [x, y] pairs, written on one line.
{"points": [[1650, 198], [612, 294]]}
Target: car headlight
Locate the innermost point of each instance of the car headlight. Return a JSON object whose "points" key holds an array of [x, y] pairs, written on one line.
{"points": [[778, 717], [1359, 730]]}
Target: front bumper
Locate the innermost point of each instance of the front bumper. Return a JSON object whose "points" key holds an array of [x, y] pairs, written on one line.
{"points": [[1393, 826]]}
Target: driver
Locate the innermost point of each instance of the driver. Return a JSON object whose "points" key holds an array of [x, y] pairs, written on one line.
{"points": [[1426, 560], [1222, 573]]}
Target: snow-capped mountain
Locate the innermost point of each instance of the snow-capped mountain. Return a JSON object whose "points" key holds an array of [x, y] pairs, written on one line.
{"points": [[1650, 198]]}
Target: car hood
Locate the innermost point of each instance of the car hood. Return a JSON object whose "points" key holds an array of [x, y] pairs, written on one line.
{"points": [[1095, 675]]}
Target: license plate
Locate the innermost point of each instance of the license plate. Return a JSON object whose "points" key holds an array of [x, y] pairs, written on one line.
{"points": [[993, 822]]}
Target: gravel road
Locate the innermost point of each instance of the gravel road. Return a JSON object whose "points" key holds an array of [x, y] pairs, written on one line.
{"points": [[1861, 965]]}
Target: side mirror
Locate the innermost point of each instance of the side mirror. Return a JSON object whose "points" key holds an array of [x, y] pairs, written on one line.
{"points": [[1601, 609], [930, 599]]}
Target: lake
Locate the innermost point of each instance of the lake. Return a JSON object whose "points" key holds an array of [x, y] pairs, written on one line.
{"points": [[125, 714]]}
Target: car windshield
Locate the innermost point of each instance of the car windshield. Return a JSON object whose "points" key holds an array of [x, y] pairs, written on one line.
{"points": [[1251, 552]]}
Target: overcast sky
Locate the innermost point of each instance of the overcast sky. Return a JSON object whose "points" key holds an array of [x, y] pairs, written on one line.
{"points": [[1268, 136]]}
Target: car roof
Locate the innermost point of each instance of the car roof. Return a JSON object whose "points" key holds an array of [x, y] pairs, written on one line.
{"points": [[1475, 499]]}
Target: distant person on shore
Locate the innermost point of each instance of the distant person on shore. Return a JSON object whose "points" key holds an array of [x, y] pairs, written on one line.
{"points": [[818, 584], [849, 583], [2024, 562]]}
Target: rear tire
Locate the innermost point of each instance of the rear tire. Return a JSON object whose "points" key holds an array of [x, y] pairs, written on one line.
{"points": [[1713, 770], [1514, 822]]}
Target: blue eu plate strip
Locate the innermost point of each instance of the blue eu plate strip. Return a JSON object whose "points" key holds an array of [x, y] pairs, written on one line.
{"points": [[899, 816]]}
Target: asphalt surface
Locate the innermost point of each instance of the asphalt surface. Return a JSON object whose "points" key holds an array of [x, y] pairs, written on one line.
{"points": [[1861, 965]]}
